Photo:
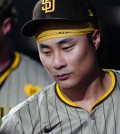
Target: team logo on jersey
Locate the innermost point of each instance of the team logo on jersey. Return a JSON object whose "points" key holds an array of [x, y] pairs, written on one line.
{"points": [[48, 5], [31, 89]]}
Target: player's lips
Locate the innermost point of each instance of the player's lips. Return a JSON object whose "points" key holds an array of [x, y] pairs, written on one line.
{"points": [[63, 77]]}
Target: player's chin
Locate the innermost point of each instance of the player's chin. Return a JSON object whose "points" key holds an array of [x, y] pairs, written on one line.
{"points": [[64, 84]]}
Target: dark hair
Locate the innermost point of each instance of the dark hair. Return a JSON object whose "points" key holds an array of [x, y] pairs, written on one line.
{"points": [[7, 10]]}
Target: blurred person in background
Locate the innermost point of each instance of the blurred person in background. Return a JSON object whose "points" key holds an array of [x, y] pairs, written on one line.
{"points": [[20, 75]]}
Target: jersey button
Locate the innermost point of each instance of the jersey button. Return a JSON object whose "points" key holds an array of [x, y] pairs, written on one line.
{"points": [[92, 116]]}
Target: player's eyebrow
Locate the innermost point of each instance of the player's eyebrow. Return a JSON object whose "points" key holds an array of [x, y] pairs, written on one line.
{"points": [[41, 45], [61, 42]]}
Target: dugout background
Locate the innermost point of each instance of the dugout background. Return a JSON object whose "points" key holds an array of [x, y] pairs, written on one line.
{"points": [[109, 18]]}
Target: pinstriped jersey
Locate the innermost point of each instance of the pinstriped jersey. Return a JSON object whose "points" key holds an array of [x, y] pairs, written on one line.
{"points": [[21, 79], [49, 112]]}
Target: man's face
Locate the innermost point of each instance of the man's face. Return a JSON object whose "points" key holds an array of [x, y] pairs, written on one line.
{"points": [[69, 60]]}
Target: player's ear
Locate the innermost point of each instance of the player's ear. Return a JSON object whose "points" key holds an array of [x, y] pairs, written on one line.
{"points": [[96, 38], [6, 26]]}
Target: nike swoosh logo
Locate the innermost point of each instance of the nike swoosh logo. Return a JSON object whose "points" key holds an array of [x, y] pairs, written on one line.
{"points": [[47, 130]]}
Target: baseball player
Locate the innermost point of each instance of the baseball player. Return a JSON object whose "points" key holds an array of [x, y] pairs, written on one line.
{"points": [[20, 75], [84, 98]]}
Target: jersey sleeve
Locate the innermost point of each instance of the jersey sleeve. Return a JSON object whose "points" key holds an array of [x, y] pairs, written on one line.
{"points": [[11, 125]]}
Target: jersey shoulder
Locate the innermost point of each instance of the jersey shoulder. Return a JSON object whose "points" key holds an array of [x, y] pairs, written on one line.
{"points": [[27, 59], [37, 97], [34, 69], [117, 75]]}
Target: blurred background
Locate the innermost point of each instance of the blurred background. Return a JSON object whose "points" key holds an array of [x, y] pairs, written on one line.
{"points": [[108, 12], [20, 43]]}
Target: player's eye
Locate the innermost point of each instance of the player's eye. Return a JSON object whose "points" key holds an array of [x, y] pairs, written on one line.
{"points": [[47, 53], [67, 48]]}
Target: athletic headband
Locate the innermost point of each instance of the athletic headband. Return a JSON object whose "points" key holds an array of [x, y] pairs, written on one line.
{"points": [[64, 32]]}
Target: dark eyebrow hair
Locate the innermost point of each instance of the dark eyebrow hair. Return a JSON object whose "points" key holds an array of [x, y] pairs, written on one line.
{"points": [[63, 41], [66, 40], [43, 46]]}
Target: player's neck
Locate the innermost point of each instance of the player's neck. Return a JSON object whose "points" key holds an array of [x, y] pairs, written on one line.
{"points": [[4, 59], [87, 97]]}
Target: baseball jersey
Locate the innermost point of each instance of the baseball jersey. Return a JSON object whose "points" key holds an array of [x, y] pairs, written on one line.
{"points": [[21, 79], [49, 112]]}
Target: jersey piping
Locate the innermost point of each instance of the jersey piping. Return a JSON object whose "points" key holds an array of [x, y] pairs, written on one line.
{"points": [[65, 100], [11, 68]]}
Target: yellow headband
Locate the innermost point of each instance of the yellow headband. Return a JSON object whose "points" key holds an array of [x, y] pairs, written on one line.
{"points": [[63, 33]]}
